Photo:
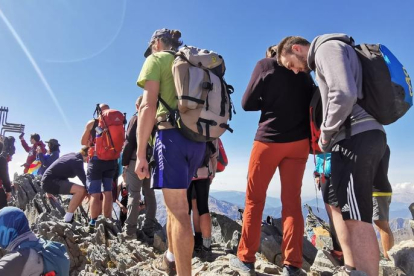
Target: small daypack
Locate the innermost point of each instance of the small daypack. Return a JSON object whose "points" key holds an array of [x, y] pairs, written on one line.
{"points": [[204, 106], [55, 256], [8, 145], [110, 134], [222, 160], [387, 89]]}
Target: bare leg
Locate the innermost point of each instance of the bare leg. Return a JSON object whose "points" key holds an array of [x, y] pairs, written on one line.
{"points": [[96, 205], [205, 225], [107, 204], [169, 231], [196, 216], [182, 238], [387, 238], [365, 246], [342, 233], [79, 193]]}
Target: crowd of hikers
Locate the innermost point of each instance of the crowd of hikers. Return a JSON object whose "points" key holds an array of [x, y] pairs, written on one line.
{"points": [[172, 143]]}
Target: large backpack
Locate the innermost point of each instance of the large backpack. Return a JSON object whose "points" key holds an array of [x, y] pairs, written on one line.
{"points": [[387, 89], [204, 106], [55, 256], [8, 145], [110, 134]]}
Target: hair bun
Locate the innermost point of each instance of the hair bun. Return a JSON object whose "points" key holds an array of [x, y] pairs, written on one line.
{"points": [[175, 34]]}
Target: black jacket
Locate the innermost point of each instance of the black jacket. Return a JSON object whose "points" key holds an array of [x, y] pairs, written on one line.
{"points": [[283, 99], [130, 144]]}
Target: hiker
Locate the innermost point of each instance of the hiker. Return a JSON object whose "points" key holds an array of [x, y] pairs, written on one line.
{"points": [[356, 139], [5, 185], [197, 195], [381, 199], [176, 157], [281, 141], [47, 159], [26, 255], [322, 175], [36, 142], [100, 172], [134, 184], [55, 180]]}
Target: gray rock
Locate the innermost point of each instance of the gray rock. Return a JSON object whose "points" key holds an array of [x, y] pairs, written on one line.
{"points": [[403, 256], [324, 262], [270, 248], [223, 227]]}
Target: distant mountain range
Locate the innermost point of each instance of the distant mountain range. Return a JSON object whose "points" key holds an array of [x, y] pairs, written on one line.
{"points": [[398, 208]]}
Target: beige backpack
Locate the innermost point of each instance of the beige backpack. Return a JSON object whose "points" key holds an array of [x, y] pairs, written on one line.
{"points": [[204, 103]]}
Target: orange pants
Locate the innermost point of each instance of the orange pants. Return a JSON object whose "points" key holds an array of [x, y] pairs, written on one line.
{"points": [[291, 159]]}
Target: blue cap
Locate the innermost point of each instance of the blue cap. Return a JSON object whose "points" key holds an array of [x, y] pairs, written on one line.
{"points": [[161, 33]]}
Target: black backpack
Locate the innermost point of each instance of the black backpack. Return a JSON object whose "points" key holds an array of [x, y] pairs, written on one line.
{"points": [[8, 146]]}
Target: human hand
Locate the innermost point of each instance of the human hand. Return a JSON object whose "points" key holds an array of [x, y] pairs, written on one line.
{"points": [[21, 136], [123, 209], [38, 149], [8, 196], [141, 168], [317, 182], [50, 196]]}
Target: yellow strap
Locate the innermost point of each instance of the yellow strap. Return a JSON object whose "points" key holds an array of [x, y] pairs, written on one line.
{"points": [[381, 194]]}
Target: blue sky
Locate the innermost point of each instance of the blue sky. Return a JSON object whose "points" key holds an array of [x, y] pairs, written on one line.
{"points": [[63, 57]]}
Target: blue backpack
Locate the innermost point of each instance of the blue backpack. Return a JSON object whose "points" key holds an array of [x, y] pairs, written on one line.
{"points": [[387, 89], [55, 256]]}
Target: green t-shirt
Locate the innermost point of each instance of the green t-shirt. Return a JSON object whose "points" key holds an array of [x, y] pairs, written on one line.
{"points": [[157, 67]]}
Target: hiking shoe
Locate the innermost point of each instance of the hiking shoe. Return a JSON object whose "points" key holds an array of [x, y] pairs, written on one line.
{"points": [[243, 268], [162, 265], [207, 254], [91, 228], [289, 270], [343, 271], [149, 232]]}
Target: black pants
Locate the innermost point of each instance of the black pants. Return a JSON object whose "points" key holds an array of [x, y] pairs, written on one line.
{"points": [[3, 198], [199, 190]]}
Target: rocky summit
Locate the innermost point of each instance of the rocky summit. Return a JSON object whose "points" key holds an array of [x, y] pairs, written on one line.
{"points": [[106, 252]]}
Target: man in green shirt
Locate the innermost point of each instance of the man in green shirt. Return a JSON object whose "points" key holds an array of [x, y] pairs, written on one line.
{"points": [[176, 157]]}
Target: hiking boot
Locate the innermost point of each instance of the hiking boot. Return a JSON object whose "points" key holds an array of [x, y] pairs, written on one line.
{"points": [[149, 232], [243, 268], [198, 242], [289, 270], [206, 254], [162, 265], [343, 271]]}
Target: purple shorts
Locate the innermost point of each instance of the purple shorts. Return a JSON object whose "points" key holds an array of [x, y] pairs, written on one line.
{"points": [[176, 160]]}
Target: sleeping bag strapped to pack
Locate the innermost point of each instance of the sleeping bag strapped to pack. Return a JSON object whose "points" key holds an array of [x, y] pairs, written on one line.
{"points": [[204, 103], [55, 257]]}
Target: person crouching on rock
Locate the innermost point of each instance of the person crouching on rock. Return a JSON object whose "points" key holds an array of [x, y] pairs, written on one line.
{"points": [[55, 180]]}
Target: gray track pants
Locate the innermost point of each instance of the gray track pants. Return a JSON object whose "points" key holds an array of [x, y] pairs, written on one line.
{"points": [[134, 196]]}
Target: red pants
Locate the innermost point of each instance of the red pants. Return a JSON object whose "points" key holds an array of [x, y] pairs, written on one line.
{"points": [[291, 159]]}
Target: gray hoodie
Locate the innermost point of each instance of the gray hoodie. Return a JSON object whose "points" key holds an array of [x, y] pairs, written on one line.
{"points": [[339, 75]]}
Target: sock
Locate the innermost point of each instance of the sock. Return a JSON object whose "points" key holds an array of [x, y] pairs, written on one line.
{"points": [[68, 217], [92, 222], [348, 268], [207, 242], [170, 256]]}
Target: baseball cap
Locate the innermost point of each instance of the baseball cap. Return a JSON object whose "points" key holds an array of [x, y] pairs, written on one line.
{"points": [[161, 33], [53, 142]]}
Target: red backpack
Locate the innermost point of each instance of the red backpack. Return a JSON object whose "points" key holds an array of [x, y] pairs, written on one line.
{"points": [[110, 134], [222, 160], [315, 117]]}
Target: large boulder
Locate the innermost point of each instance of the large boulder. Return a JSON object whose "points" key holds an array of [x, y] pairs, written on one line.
{"points": [[402, 255], [223, 228]]}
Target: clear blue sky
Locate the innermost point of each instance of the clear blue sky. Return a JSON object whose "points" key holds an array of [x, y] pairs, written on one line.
{"points": [[86, 52]]}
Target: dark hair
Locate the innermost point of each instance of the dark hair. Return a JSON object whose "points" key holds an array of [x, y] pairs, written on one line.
{"points": [[35, 136], [285, 46], [1, 146], [174, 42], [53, 147], [271, 51]]}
